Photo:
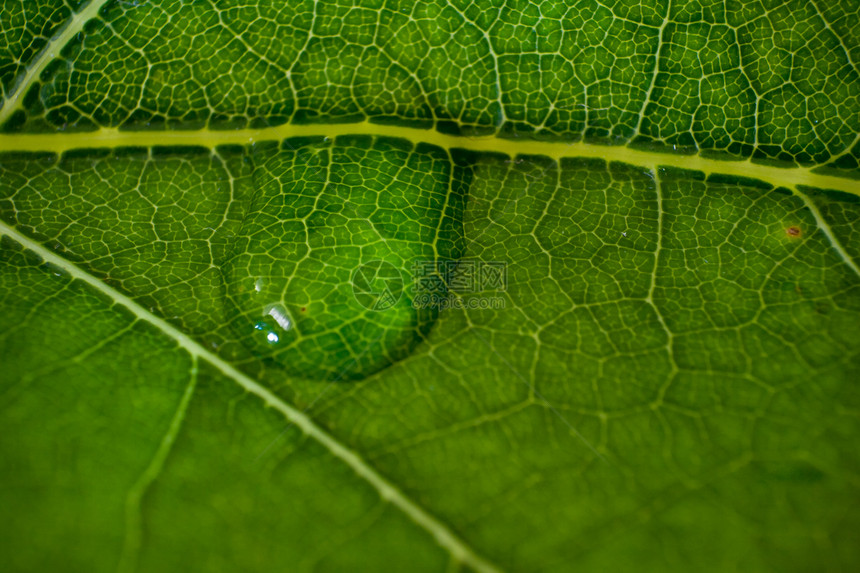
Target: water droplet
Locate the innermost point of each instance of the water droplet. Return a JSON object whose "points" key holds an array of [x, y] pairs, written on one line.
{"points": [[321, 276]]}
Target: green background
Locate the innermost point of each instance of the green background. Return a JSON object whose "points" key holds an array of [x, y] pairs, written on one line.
{"points": [[671, 384]]}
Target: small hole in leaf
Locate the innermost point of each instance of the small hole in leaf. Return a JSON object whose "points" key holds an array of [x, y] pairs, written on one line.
{"points": [[793, 231]]}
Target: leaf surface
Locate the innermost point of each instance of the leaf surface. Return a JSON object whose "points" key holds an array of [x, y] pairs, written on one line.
{"points": [[662, 376]]}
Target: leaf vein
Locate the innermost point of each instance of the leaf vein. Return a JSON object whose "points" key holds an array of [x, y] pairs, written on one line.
{"points": [[49, 52], [446, 538]]}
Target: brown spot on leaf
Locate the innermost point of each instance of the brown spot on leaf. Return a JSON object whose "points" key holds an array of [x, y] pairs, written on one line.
{"points": [[793, 231]]}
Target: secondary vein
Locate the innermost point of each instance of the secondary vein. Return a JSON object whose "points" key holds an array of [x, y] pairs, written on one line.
{"points": [[47, 55], [825, 228], [133, 533], [458, 549]]}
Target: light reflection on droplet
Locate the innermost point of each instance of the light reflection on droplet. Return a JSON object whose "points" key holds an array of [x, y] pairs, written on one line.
{"points": [[277, 312]]}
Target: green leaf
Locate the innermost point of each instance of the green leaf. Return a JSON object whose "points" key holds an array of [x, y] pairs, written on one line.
{"points": [[219, 223]]}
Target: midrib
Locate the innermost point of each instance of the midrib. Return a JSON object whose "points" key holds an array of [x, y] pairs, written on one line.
{"points": [[789, 177]]}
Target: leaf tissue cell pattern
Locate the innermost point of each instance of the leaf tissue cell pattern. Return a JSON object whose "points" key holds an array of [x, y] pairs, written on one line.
{"points": [[320, 212], [158, 223], [669, 385], [741, 78], [27, 28]]}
